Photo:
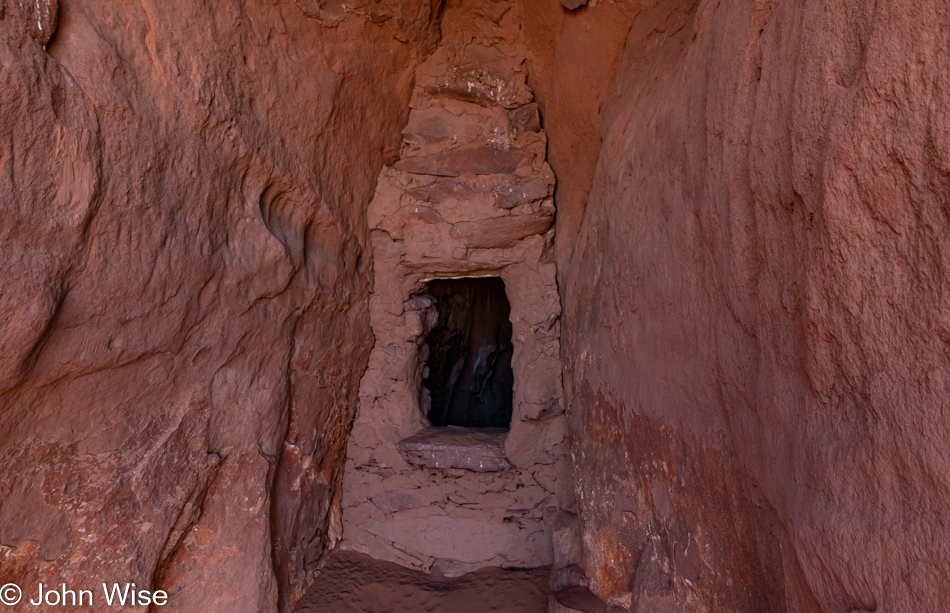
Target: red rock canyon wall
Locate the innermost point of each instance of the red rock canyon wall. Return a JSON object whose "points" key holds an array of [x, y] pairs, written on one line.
{"points": [[184, 293], [755, 289]]}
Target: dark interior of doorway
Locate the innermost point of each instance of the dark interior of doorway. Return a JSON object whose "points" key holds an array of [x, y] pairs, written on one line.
{"points": [[469, 376]]}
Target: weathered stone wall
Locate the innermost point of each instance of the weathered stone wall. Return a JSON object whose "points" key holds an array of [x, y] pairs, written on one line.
{"points": [[469, 196], [752, 248]]}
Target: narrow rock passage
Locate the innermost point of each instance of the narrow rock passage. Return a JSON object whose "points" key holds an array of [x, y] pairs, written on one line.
{"points": [[352, 582]]}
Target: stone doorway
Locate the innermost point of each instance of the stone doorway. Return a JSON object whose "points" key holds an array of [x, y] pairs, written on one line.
{"points": [[467, 378], [464, 216]]}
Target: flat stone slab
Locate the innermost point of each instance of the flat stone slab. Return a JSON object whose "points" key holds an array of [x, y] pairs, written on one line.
{"points": [[501, 231], [476, 449], [392, 501]]}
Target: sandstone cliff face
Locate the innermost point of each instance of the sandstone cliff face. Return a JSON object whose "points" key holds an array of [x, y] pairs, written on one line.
{"points": [[756, 294], [184, 293]]}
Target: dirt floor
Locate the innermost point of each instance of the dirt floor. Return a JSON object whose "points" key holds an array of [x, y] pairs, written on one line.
{"points": [[353, 582]]}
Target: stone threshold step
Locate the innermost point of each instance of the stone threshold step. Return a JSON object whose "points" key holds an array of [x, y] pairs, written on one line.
{"points": [[475, 449]]}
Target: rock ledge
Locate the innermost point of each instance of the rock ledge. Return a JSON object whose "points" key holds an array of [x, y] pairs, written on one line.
{"points": [[476, 449]]}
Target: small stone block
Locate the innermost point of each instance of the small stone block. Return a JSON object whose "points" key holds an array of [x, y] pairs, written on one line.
{"points": [[393, 501], [525, 119]]}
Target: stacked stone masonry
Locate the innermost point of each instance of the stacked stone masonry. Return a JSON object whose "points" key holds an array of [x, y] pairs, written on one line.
{"points": [[469, 196]]}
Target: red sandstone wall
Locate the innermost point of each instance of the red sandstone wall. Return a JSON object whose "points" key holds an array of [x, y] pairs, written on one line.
{"points": [[183, 300], [756, 299]]}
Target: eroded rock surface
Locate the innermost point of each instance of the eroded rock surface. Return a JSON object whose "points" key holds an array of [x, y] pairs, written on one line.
{"points": [[184, 293], [753, 258]]}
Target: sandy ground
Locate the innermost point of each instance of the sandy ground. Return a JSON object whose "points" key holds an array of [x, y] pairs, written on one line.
{"points": [[353, 582]]}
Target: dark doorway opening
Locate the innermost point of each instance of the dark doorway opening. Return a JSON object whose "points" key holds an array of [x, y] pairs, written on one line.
{"points": [[469, 377]]}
